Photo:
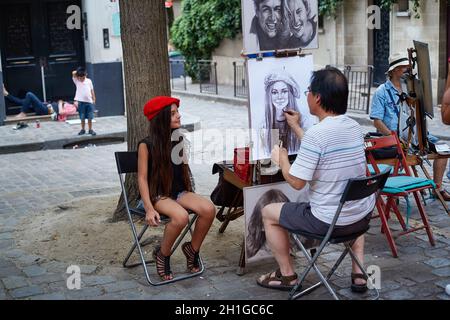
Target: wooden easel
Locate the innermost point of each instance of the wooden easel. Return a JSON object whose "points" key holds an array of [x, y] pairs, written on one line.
{"points": [[423, 153], [256, 168]]}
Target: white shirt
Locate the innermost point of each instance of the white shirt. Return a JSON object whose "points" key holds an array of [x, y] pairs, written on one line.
{"points": [[331, 153], [84, 90]]}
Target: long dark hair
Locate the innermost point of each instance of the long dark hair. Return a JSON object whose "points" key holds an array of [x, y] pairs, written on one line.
{"points": [[256, 236], [160, 150], [292, 143]]}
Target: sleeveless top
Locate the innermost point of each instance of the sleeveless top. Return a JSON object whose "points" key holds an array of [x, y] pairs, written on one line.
{"points": [[177, 174]]}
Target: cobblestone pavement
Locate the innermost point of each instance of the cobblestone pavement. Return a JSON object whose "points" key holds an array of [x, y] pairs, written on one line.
{"points": [[31, 182]]}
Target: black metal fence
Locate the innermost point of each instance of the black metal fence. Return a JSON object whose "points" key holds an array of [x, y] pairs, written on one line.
{"points": [[360, 80], [207, 76], [240, 79], [178, 74]]}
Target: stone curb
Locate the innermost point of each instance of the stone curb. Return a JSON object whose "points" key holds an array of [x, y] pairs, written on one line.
{"points": [[68, 142]]}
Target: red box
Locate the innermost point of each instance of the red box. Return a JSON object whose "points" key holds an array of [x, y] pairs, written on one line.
{"points": [[241, 163]]}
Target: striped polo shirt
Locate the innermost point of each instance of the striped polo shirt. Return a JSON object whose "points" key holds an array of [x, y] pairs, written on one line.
{"points": [[331, 153]]}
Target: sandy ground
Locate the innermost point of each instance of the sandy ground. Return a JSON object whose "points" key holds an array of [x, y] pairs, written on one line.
{"points": [[80, 233]]}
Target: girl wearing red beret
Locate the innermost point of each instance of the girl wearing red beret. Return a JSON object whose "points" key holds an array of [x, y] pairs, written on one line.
{"points": [[165, 186]]}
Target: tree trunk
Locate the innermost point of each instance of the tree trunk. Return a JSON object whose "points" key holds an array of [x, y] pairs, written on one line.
{"points": [[146, 66]]}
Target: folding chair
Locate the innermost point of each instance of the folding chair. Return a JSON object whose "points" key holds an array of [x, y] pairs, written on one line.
{"points": [[401, 183], [127, 163], [356, 189]]}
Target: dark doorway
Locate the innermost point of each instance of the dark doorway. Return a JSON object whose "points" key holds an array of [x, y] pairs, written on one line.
{"points": [[381, 48], [37, 48]]}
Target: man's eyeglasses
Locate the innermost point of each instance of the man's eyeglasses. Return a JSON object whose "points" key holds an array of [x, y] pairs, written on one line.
{"points": [[307, 91]]}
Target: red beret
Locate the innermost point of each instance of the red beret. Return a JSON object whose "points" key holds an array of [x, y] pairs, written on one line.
{"points": [[156, 104]]}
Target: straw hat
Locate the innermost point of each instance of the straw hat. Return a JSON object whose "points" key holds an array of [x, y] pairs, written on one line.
{"points": [[397, 60]]}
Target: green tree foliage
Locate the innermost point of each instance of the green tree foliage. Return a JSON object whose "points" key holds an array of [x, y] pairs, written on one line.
{"points": [[329, 8], [387, 4], [202, 27]]}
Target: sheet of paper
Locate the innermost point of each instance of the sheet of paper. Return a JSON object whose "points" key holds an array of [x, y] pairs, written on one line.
{"points": [[442, 148]]}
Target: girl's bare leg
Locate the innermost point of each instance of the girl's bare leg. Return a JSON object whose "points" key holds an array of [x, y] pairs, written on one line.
{"points": [[178, 220], [206, 212]]}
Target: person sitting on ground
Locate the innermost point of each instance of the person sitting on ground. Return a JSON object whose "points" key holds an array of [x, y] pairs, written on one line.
{"points": [[30, 103], [386, 109], [165, 186], [331, 153], [64, 109]]}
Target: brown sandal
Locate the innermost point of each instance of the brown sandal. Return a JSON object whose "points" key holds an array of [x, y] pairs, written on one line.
{"points": [[358, 288], [192, 257], [162, 265], [285, 281], [445, 195]]}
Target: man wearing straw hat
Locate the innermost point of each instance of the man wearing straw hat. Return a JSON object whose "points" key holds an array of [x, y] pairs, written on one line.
{"points": [[386, 110]]}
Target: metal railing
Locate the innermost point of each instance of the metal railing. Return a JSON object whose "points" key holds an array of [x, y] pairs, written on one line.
{"points": [[360, 80], [207, 76], [178, 74], [240, 79]]}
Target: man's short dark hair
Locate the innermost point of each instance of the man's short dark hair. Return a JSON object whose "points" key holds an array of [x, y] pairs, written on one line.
{"points": [[258, 2], [332, 86], [81, 72]]}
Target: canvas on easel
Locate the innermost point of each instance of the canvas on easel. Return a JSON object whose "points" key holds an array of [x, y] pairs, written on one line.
{"points": [[278, 85], [270, 25], [256, 198], [424, 74], [420, 93]]}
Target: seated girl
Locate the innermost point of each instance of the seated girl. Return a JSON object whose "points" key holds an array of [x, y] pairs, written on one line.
{"points": [[165, 186]]}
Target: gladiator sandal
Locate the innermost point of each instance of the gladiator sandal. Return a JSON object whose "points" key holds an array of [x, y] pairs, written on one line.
{"points": [[192, 256], [162, 265]]}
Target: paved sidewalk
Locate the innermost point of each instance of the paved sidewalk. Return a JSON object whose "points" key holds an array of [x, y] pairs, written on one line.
{"points": [[60, 135], [37, 181]]}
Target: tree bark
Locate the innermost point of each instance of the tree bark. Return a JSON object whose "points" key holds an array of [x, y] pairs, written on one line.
{"points": [[146, 68]]}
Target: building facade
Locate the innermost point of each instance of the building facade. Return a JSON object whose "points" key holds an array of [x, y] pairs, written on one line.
{"points": [[43, 41], [349, 39], [38, 51]]}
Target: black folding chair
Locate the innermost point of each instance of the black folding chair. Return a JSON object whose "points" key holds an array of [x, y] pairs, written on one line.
{"points": [[356, 189], [127, 163]]}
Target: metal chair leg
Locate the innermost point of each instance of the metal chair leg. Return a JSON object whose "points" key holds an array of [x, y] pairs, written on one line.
{"points": [[324, 280], [144, 262], [361, 267], [134, 247], [312, 264]]}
